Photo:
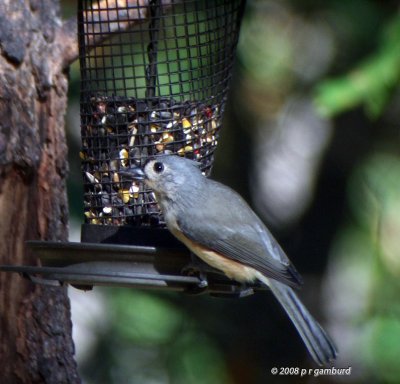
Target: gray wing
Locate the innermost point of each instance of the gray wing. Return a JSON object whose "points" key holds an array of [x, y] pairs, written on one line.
{"points": [[227, 225]]}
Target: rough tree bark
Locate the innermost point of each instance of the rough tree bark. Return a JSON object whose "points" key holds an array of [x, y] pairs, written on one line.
{"points": [[36, 48], [35, 326]]}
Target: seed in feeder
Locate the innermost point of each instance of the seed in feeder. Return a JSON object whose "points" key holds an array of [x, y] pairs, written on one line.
{"points": [[208, 112], [115, 177], [193, 112], [124, 195], [104, 169], [82, 155], [104, 119], [181, 151], [186, 123], [97, 175], [159, 146], [210, 138], [90, 214], [213, 124], [91, 178], [132, 140], [134, 153], [165, 115], [101, 107], [167, 138], [107, 210], [133, 126], [113, 165], [134, 191], [104, 198], [188, 148], [123, 155]]}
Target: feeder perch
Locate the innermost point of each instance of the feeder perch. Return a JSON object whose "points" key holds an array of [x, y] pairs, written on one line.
{"points": [[154, 80]]}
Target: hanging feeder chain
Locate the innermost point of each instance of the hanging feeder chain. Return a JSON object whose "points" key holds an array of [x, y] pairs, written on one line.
{"points": [[151, 70]]}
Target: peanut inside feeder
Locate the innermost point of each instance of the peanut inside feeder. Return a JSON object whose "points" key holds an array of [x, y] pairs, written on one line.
{"points": [[155, 83]]}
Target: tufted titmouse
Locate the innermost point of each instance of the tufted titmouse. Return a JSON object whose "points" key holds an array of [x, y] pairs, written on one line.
{"points": [[217, 225]]}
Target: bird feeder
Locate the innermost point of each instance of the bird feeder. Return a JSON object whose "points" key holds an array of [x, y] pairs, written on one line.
{"points": [[154, 80]]}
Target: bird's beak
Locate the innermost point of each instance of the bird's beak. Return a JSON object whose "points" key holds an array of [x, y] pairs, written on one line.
{"points": [[133, 173]]}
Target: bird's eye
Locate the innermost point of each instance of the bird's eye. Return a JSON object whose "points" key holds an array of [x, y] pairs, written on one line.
{"points": [[158, 167]]}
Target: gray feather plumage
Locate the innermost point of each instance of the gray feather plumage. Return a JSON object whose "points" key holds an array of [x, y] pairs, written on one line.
{"points": [[222, 221], [216, 217], [318, 343]]}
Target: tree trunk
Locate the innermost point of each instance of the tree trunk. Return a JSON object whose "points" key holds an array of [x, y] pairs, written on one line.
{"points": [[35, 329]]}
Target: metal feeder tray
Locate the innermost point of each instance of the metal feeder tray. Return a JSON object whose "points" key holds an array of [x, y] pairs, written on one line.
{"points": [[85, 265]]}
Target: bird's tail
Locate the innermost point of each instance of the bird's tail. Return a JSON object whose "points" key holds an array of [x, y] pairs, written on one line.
{"points": [[318, 343]]}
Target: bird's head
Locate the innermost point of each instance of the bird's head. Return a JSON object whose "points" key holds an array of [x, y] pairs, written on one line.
{"points": [[167, 174]]}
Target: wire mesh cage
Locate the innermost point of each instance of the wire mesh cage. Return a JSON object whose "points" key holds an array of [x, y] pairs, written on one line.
{"points": [[154, 80]]}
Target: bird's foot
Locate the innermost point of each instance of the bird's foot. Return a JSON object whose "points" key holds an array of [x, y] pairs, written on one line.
{"points": [[245, 291], [199, 269]]}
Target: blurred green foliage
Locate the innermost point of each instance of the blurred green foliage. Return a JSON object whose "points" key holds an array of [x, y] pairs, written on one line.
{"points": [[370, 83], [150, 339], [369, 254], [148, 320], [375, 200], [383, 349]]}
